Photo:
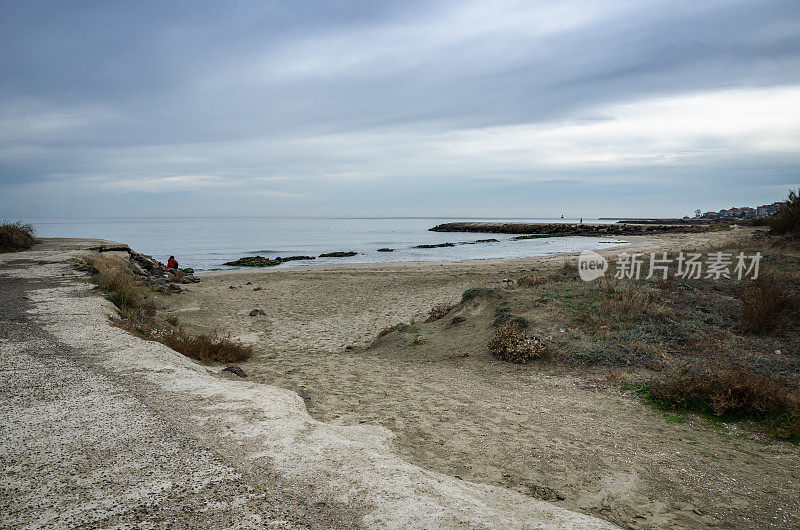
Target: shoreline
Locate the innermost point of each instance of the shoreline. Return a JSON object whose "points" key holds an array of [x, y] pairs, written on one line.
{"points": [[638, 243]]}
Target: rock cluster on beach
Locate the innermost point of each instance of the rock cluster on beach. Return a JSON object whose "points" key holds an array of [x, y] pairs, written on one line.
{"points": [[535, 230], [150, 269], [261, 261]]}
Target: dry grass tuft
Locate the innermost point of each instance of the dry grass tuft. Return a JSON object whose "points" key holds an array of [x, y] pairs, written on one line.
{"points": [[137, 315], [733, 390], [212, 348], [765, 306], [532, 281], [510, 343], [626, 299], [16, 236], [122, 289], [177, 276], [438, 311]]}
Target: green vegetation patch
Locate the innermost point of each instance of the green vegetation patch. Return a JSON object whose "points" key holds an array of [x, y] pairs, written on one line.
{"points": [[469, 294]]}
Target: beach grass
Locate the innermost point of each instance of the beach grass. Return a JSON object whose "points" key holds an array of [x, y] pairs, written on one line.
{"points": [[717, 347], [137, 314], [15, 235]]}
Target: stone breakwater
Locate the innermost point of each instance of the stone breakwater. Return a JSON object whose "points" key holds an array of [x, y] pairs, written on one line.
{"points": [[562, 229]]}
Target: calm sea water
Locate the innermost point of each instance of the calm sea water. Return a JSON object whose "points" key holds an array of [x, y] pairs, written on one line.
{"points": [[207, 243]]}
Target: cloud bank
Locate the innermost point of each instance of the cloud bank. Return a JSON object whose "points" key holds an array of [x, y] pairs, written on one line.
{"points": [[416, 108]]}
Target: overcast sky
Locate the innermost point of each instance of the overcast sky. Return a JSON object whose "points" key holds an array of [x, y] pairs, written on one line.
{"points": [[359, 108]]}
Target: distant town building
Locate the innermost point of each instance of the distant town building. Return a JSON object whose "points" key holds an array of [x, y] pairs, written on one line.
{"points": [[745, 212]]}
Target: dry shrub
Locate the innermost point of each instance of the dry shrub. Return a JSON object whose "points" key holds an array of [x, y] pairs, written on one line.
{"points": [[532, 281], [16, 236], [787, 220], [116, 279], [204, 348], [510, 343], [730, 389], [765, 304], [438, 311]]}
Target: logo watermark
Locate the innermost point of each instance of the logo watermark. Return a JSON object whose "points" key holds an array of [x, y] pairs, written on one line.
{"points": [[591, 265], [684, 266]]}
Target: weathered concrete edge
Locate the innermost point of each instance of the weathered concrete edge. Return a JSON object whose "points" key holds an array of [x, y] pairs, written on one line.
{"points": [[352, 464]]}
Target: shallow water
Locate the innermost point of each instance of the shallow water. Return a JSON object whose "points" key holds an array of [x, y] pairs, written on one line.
{"points": [[207, 243]]}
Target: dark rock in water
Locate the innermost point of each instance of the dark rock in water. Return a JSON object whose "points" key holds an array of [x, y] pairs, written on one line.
{"points": [[261, 261], [349, 348], [540, 236], [440, 245], [338, 254], [256, 312], [479, 241], [249, 283], [385, 250], [257, 288], [253, 261], [304, 393], [234, 369]]}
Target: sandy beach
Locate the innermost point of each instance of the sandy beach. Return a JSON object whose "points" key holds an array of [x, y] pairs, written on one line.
{"points": [[455, 409], [102, 429]]}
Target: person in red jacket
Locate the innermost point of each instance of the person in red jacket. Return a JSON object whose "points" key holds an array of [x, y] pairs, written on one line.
{"points": [[172, 263]]}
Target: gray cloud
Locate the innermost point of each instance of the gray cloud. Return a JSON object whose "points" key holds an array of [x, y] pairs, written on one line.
{"points": [[409, 108]]}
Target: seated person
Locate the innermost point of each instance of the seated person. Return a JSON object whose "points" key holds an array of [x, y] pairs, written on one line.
{"points": [[172, 263]]}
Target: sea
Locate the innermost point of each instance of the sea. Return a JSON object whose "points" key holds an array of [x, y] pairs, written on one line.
{"points": [[205, 244]]}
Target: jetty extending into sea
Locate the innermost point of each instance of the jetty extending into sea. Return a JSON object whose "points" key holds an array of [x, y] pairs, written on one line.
{"points": [[576, 229]]}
